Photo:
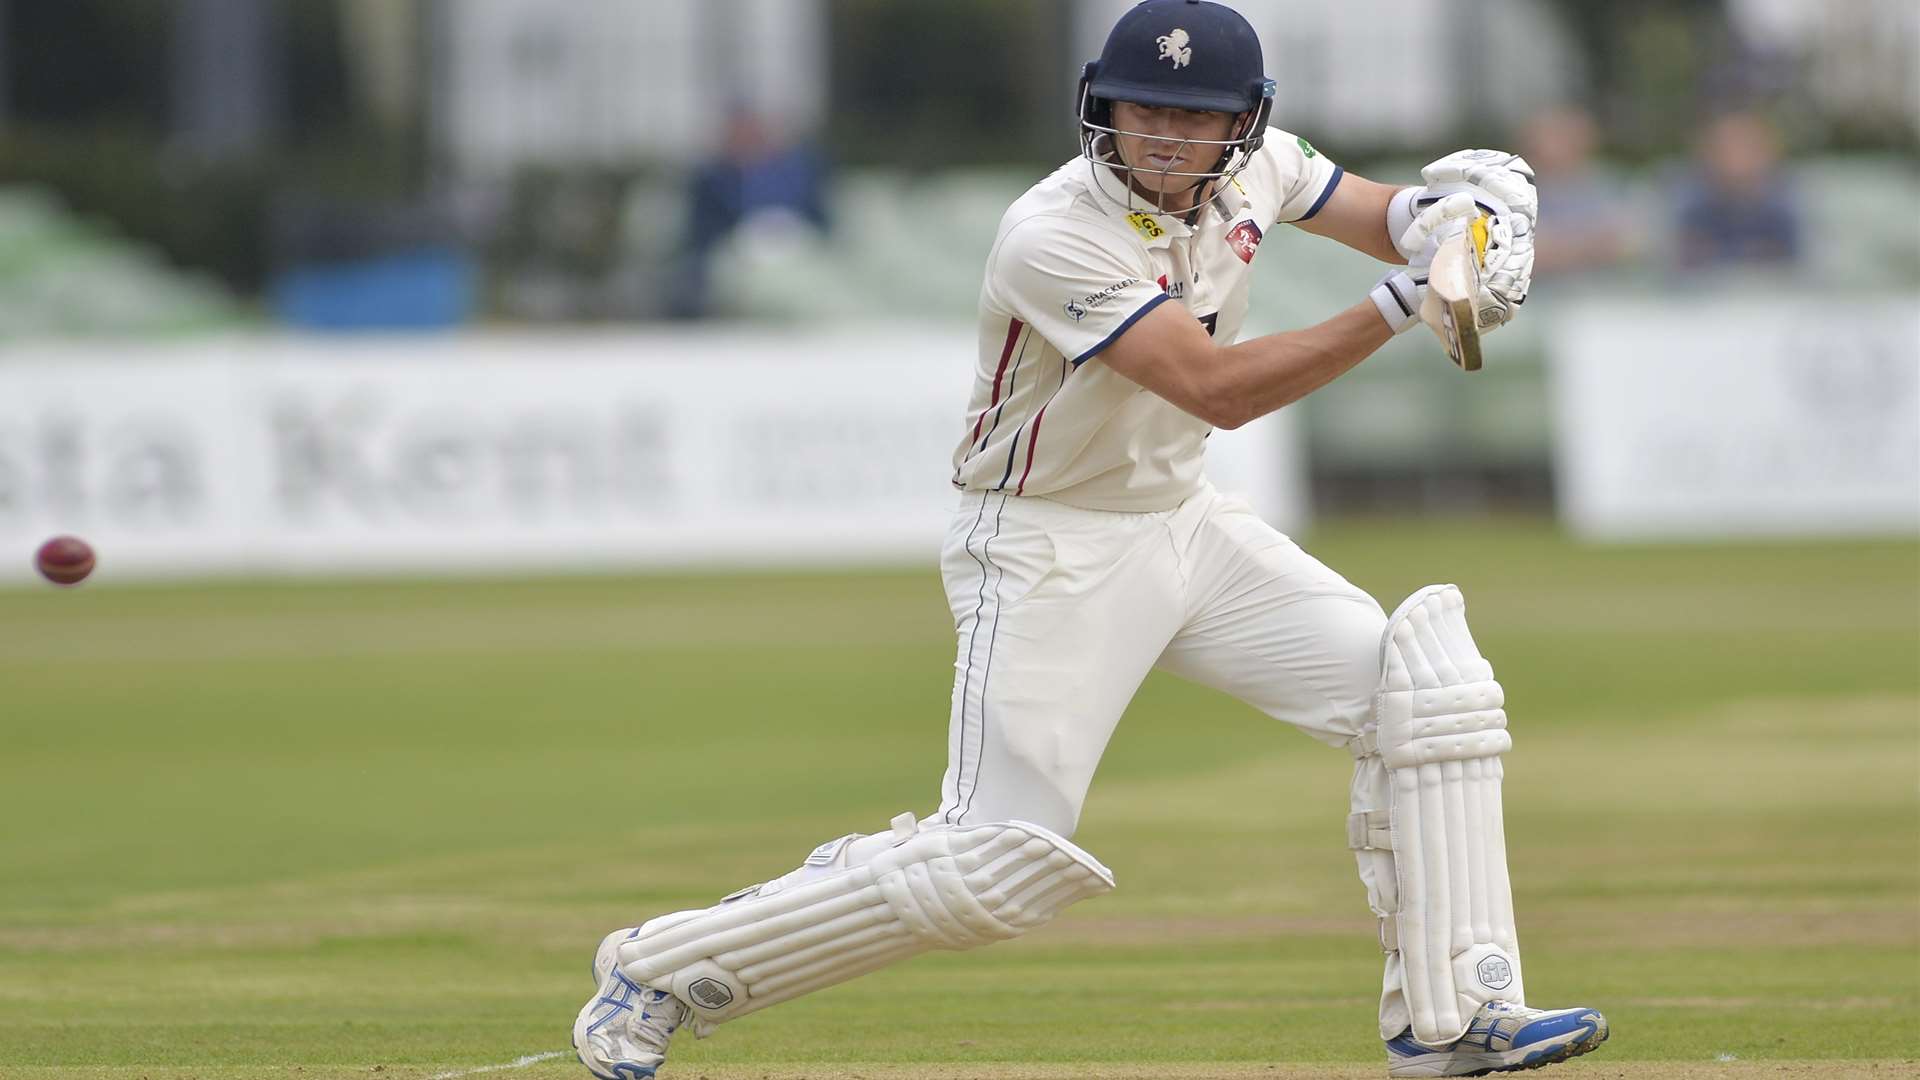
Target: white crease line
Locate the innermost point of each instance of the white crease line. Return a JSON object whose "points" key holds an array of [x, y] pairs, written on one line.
{"points": [[516, 1063]]}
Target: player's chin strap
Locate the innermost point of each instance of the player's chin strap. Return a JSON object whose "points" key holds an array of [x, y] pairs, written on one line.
{"points": [[858, 904], [1429, 831]]}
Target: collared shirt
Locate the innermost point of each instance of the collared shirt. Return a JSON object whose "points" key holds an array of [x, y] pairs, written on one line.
{"points": [[1070, 271]]}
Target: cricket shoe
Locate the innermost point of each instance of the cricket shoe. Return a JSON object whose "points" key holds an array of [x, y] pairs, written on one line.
{"points": [[622, 1032], [1503, 1037], [607, 956]]}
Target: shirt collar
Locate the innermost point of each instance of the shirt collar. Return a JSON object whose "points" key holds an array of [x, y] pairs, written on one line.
{"points": [[1233, 198], [1155, 229]]}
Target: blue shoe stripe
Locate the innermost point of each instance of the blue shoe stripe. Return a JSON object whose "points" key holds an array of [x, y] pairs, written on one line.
{"points": [[622, 1071], [623, 1003], [1551, 1027], [1404, 1045]]}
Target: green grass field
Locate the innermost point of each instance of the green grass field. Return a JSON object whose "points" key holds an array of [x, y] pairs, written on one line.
{"points": [[328, 831]]}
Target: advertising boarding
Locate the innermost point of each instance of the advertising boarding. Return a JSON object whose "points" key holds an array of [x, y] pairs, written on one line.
{"points": [[505, 453], [1726, 418]]}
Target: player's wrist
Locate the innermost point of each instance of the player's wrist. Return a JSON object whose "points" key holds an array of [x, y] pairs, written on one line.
{"points": [[1397, 297]]}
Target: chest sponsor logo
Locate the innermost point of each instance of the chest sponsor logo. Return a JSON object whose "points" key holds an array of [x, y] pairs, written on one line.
{"points": [[1176, 290], [1244, 239], [1146, 226], [1077, 309], [1173, 46]]}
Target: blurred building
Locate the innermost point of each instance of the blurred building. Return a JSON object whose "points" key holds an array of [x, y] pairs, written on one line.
{"points": [[552, 144], [174, 166], [608, 83]]}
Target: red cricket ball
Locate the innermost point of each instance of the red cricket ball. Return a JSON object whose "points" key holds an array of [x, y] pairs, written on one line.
{"points": [[65, 560]]}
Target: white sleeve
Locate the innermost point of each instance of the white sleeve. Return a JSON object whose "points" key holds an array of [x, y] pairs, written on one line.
{"points": [[1299, 178], [1079, 285]]}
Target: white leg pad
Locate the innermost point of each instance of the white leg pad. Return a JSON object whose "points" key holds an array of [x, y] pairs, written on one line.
{"points": [[858, 904], [1439, 730]]}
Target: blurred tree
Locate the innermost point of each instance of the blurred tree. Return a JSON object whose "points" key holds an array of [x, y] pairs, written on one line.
{"points": [[927, 85], [86, 63], [98, 93], [1649, 60], [315, 45]]}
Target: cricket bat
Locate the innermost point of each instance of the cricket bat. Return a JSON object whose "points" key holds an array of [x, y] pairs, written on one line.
{"points": [[1453, 286]]}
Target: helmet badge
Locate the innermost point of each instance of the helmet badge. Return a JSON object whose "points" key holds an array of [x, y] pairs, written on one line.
{"points": [[1173, 47]]}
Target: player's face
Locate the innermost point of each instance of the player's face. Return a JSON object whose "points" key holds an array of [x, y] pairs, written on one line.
{"points": [[1158, 142]]}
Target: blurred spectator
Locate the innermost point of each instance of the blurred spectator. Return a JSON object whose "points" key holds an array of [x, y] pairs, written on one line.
{"points": [[1588, 222], [757, 172], [1738, 207]]}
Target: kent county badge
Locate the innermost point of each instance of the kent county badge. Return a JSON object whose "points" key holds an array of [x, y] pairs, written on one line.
{"points": [[1244, 239]]}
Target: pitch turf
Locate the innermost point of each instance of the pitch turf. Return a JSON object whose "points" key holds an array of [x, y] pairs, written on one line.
{"points": [[322, 831]]}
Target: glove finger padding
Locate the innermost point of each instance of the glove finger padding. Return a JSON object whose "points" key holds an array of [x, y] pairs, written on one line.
{"points": [[1436, 223], [1506, 177], [1506, 268]]}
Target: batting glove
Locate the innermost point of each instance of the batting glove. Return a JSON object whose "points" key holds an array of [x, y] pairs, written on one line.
{"points": [[1506, 263], [1506, 177]]}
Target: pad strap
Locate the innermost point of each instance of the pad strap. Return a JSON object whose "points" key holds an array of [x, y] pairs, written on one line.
{"points": [[1370, 830]]}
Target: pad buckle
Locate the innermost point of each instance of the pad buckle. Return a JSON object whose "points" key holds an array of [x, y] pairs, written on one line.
{"points": [[1389, 933], [1370, 830], [1366, 744]]}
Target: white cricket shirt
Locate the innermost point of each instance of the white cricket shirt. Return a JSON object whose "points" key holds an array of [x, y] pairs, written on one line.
{"points": [[1070, 270]]}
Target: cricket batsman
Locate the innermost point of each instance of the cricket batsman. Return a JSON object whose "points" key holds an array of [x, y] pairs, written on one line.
{"points": [[1088, 548]]}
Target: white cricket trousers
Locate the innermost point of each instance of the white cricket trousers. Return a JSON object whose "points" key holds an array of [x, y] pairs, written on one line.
{"points": [[1061, 612]]}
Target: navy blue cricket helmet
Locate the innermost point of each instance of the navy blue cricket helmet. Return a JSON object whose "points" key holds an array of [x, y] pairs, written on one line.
{"points": [[1182, 54]]}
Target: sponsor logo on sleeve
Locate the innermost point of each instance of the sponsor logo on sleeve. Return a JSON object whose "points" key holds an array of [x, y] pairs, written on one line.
{"points": [[1244, 239], [1306, 147], [1077, 309], [1146, 226]]}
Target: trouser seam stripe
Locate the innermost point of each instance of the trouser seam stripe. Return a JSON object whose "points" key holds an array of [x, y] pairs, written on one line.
{"points": [[966, 677], [986, 675]]}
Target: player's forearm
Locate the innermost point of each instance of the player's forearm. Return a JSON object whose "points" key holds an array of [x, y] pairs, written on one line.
{"points": [[1374, 234], [1257, 377], [1359, 215]]}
